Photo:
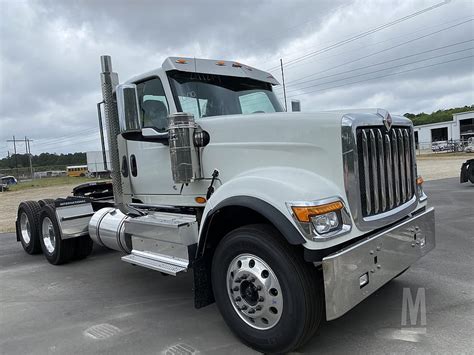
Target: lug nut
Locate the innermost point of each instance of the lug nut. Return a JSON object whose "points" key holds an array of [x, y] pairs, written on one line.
{"points": [[238, 299], [244, 307], [236, 288], [244, 276], [252, 279], [259, 288], [251, 311], [261, 299], [238, 280], [258, 308]]}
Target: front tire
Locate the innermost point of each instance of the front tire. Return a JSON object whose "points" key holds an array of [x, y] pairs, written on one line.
{"points": [[267, 294], [56, 250]]}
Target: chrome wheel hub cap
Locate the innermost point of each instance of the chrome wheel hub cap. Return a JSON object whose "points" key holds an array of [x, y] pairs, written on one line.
{"points": [[49, 237], [254, 291], [25, 228]]}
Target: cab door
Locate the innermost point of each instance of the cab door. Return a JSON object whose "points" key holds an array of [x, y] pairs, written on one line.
{"points": [[149, 162]]}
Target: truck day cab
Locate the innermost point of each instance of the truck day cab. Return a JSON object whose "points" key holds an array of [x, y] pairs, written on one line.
{"points": [[282, 217]]}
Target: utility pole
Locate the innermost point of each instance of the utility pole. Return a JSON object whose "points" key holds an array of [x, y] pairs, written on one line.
{"points": [[14, 149], [283, 79], [28, 151]]}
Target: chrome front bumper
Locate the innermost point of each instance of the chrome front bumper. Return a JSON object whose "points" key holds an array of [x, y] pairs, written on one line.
{"points": [[381, 257]]}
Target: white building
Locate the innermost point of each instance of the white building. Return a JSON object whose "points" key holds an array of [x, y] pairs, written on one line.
{"points": [[459, 129]]}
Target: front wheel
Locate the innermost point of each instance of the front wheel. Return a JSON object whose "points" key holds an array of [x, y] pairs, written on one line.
{"points": [[268, 295]]}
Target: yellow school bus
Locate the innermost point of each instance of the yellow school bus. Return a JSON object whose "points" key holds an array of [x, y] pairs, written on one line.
{"points": [[77, 170]]}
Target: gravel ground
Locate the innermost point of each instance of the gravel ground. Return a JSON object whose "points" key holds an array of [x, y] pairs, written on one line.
{"points": [[9, 202], [440, 167]]}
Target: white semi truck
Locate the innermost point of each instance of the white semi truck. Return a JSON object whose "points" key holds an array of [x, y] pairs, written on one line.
{"points": [[283, 218]]}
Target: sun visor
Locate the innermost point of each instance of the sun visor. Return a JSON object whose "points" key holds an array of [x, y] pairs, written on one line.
{"points": [[217, 67]]}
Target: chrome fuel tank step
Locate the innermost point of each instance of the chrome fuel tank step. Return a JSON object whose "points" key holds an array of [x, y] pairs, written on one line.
{"points": [[162, 263], [162, 241]]}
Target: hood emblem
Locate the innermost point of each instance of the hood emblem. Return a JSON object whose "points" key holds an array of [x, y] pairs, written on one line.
{"points": [[386, 118]]}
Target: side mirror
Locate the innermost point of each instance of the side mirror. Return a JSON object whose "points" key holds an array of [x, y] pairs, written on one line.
{"points": [[128, 108]]}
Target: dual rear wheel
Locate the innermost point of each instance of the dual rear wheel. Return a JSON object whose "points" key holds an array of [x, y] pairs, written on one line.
{"points": [[38, 231]]}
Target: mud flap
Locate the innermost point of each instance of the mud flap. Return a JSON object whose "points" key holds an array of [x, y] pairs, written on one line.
{"points": [[203, 294], [17, 229]]}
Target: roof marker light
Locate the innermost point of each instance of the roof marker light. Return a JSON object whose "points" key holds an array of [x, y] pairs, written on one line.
{"points": [[237, 65], [220, 63], [181, 61]]}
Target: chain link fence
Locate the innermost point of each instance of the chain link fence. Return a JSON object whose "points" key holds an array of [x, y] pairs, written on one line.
{"points": [[449, 146], [37, 172]]}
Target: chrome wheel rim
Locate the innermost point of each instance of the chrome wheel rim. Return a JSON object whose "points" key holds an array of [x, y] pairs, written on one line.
{"points": [[25, 228], [49, 237], [254, 291]]}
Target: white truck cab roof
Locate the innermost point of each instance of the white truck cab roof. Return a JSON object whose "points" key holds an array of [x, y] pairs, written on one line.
{"points": [[210, 66]]}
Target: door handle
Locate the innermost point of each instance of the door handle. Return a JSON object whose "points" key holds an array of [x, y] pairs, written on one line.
{"points": [[124, 166], [133, 165]]}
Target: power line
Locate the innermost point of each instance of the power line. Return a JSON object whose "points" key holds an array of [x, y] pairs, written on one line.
{"points": [[382, 76], [404, 35], [381, 51], [376, 71], [62, 139], [69, 135], [66, 143], [363, 34]]}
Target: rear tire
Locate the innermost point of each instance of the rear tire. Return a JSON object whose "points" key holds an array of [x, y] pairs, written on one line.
{"points": [[273, 285], [56, 250], [83, 247], [46, 201], [27, 226]]}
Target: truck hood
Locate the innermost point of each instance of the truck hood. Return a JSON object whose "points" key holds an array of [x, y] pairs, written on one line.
{"points": [[309, 141]]}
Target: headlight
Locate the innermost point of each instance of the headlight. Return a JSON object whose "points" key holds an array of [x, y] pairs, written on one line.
{"points": [[326, 222], [321, 219]]}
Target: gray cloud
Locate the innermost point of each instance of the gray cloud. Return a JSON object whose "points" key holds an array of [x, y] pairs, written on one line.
{"points": [[49, 55]]}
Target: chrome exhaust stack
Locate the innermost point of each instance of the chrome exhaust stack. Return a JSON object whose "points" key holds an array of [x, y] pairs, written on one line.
{"points": [[109, 81]]}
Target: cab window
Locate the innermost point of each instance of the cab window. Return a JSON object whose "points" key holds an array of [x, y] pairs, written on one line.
{"points": [[255, 102], [154, 108]]}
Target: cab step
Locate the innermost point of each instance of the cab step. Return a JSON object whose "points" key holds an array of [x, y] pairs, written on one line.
{"points": [[157, 262]]}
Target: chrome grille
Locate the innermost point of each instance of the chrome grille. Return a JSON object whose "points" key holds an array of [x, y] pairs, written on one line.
{"points": [[386, 168]]}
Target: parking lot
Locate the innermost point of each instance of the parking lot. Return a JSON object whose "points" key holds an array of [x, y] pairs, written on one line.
{"points": [[103, 305]]}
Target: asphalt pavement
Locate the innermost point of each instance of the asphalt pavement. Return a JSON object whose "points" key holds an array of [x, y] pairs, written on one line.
{"points": [[103, 305]]}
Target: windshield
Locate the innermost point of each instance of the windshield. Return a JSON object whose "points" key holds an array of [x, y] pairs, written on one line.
{"points": [[206, 95]]}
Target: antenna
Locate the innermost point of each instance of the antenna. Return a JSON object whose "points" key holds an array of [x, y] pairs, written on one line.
{"points": [[283, 80]]}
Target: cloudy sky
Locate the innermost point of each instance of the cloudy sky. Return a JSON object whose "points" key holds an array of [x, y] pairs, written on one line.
{"points": [[405, 56]]}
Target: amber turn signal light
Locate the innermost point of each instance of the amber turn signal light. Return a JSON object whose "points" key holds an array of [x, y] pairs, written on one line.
{"points": [[200, 199], [304, 213]]}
